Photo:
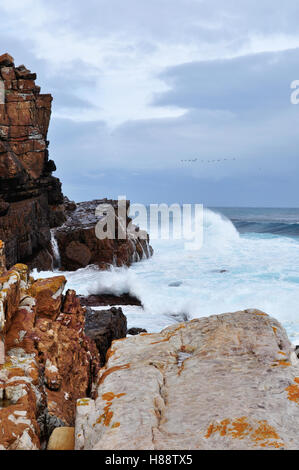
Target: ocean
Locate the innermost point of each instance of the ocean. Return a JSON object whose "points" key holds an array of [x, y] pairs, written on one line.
{"points": [[249, 259]]}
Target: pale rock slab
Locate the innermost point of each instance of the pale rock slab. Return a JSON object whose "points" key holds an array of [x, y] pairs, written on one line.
{"points": [[228, 381]]}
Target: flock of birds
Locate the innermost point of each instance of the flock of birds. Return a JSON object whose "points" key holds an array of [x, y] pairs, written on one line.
{"points": [[194, 160]]}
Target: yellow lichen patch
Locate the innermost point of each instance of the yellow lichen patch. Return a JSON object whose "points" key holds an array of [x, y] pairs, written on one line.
{"points": [[111, 370], [83, 402], [293, 391], [282, 353], [52, 284], [261, 434], [274, 329]]}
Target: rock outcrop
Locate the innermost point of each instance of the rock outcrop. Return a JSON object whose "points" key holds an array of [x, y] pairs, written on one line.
{"points": [[79, 246], [31, 201], [48, 362], [102, 300], [229, 381]]}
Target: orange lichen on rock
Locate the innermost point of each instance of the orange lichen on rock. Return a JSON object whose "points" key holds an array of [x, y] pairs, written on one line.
{"points": [[266, 436], [262, 435], [115, 425], [170, 335], [110, 396], [282, 362], [293, 391], [106, 417], [111, 370]]}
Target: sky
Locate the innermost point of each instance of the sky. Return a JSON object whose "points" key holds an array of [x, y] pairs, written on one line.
{"points": [[142, 86]]}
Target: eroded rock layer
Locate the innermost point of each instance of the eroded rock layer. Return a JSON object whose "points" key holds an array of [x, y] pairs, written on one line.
{"points": [[229, 381]]}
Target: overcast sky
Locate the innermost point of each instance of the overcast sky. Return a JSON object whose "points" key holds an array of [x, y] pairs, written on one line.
{"points": [[140, 85]]}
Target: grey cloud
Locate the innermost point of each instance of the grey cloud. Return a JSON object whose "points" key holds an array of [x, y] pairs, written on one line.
{"points": [[259, 82]]}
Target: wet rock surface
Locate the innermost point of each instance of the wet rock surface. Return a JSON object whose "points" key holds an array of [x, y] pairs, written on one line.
{"points": [[109, 300], [229, 381]]}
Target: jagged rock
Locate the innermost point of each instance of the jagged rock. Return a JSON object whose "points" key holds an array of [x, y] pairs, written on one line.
{"points": [[79, 246], [105, 326], [6, 60], [109, 300], [48, 296], [28, 192], [49, 362], [229, 381]]}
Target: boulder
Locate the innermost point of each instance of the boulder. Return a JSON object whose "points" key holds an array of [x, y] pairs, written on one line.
{"points": [[62, 439], [228, 381], [48, 296], [79, 245]]}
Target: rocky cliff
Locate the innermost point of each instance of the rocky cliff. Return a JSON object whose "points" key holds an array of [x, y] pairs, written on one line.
{"points": [[229, 381], [31, 201], [48, 359]]}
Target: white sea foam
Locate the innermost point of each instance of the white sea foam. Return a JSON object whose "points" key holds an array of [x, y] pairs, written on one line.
{"points": [[260, 271]]}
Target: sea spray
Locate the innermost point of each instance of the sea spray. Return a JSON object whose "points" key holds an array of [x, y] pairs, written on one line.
{"points": [[230, 273]]}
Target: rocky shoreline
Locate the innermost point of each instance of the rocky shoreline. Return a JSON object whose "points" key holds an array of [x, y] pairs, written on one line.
{"points": [[34, 213], [70, 376]]}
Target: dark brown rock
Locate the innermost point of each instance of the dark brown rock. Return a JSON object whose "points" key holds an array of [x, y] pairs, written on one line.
{"points": [[105, 326], [80, 228], [78, 253], [109, 300], [6, 60], [136, 331]]}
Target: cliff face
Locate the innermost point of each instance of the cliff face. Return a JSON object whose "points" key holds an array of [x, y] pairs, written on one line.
{"points": [[224, 382], [30, 197], [49, 355], [31, 201]]}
